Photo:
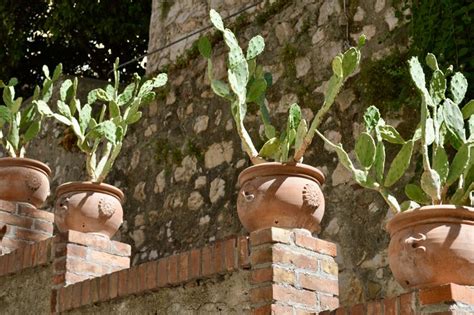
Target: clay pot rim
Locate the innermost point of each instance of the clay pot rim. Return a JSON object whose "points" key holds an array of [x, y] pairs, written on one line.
{"points": [[92, 187], [26, 162], [430, 214], [277, 168]]}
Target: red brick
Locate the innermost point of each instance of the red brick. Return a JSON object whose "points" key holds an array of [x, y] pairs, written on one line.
{"points": [[261, 294], [315, 283], [44, 252], [447, 293], [406, 303], [59, 280], [122, 282], [302, 311], [113, 285], [374, 308], [151, 275], [230, 257], [132, 280], [269, 236], [243, 252], [3, 265], [141, 286], [341, 311], [54, 301], [286, 256], [108, 259], [7, 206], [173, 269], [273, 309], [261, 275], [358, 309], [76, 295], [95, 288], [195, 263], [325, 313], [30, 235], [15, 220], [59, 265], [207, 261], [26, 261], [89, 240], [43, 226], [86, 292], [65, 298], [390, 306], [219, 263], [12, 261], [261, 256], [76, 250], [13, 244], [284, 275], [104, 288], [27, 210], [183, 266], [315, 244], [84, 267], [162, 272], [71, 278], [120, 249], [289, 294]]}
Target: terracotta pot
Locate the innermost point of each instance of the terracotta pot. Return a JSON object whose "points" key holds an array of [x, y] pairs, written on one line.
{"points": [[281, 195], [432, 245], [24, 180], [89, 208]]}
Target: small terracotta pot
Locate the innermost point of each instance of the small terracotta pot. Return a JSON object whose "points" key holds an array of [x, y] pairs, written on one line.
{"points": [[24, 180], [432, 245], [281, 195], [89, 208]]}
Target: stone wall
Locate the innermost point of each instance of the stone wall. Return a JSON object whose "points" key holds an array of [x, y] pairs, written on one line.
{"points": [[180, 163]]}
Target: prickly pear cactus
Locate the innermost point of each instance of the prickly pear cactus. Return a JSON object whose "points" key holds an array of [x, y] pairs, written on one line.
{"points": [[446, 178], [105, 132], [20, 122], [247, 83]]}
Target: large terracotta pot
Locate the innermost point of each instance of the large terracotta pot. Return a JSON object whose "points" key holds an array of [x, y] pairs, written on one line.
{"points": [[281, 195], [24, 180], [432, 245], [89, 208]]}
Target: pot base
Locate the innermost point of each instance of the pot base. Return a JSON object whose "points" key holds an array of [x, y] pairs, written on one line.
{"points": [[432, 245], [281, 195], [89, 208]]}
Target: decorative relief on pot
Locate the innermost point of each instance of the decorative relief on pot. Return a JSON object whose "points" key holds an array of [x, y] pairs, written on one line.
{"points": [[311, 196], [105, 208], [33, 181], [413, 243]]}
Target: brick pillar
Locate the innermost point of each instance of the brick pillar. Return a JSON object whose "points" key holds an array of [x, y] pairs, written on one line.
{"points": [[25, 224], [292, 272], [80, 256]]}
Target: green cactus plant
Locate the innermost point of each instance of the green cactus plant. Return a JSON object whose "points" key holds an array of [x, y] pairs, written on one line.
{"points": [[248, 83], [101, 132], [446, 178], [20, 121]]}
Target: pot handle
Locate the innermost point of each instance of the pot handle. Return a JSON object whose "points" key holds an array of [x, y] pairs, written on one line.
{"points": [[413, 243]]}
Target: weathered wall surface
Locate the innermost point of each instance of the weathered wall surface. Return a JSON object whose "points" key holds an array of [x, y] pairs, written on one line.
{"points": [[225, 295], [27, 292], [180, 163]]}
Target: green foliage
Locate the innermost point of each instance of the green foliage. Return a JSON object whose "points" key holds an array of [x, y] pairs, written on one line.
{"points": [[442, 127], [84, 35], [20, 122], [445, 28], [101, 132], [247, 84]]}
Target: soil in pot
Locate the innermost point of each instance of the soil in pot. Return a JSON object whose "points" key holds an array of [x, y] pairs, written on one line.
{"points": [[432, 245], [281, 195], [89, 208], [24, 180]]}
